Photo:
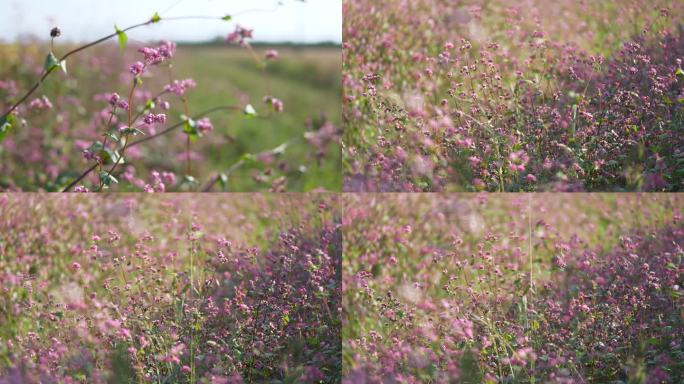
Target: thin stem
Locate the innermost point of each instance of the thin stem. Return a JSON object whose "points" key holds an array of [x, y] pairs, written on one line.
{"points": [[130, 123], [147, 138], [81, 177], [73, 51], [96, 42]]}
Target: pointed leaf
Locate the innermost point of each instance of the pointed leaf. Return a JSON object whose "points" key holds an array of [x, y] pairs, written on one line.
{"points": [[6, 124], [123, 38], [62, 64], [249, 110], [50, 61], [155, 18]]}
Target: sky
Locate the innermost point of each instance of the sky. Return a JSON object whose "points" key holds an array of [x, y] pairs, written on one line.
{"points": [[84, 20]]}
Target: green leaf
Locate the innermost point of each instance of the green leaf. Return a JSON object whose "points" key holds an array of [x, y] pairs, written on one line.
{"points": [[108, 155], [189, 180], [132, 131], [279, 150], [6, 124], [112, 156], [227, 17], [223, 180], [679, 72], [248, 158], [155, 18], [190, 127], [95, 147], [112, 136], [50, 62], [249, 110], [107, 179], [123, 38]]}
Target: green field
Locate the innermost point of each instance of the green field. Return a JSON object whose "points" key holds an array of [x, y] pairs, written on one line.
{"points": [[306, 79]]}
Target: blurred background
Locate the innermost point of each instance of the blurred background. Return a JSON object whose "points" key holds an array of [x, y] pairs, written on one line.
{"points": [[296, 21], [306, 77]]}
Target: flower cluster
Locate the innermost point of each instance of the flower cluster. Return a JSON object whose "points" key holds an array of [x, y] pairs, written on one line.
{"points": [[40, 103], [499, 96], [152, 118], [226, 290], [239, 35], [179, 87], [481, 288], [204, 125]]}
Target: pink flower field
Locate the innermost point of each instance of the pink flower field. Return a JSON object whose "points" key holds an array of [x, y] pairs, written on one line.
{"points": [[503, 95], [513, 288], [135, 289]]}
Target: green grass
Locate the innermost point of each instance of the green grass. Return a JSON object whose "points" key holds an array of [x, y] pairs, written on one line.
{"points": [[308, 82]]}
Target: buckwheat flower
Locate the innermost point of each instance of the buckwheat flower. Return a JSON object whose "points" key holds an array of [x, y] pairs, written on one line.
{"points": [[152, 118], [137, 68], [186, 369], [168, 178], [81, 189], [123, 104], [166, 49], [90, 155], [157, 183], [164, 105], [277, 104], [239, 35], [40, 103], [271, 54], [114, 98], [152, 56], [179, 87], [149, 119], [75, 266], [204, 125], [530, 178]]}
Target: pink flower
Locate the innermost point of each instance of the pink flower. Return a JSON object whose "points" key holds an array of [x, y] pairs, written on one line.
{"points": [[152, 118], [137, 68], [75, 266], [151, 55], [271, 54], [239, 35], [40, 103], [114, 98], [278, 105], [167, 49], [179, 87], [204, 125], [168, 178]]}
